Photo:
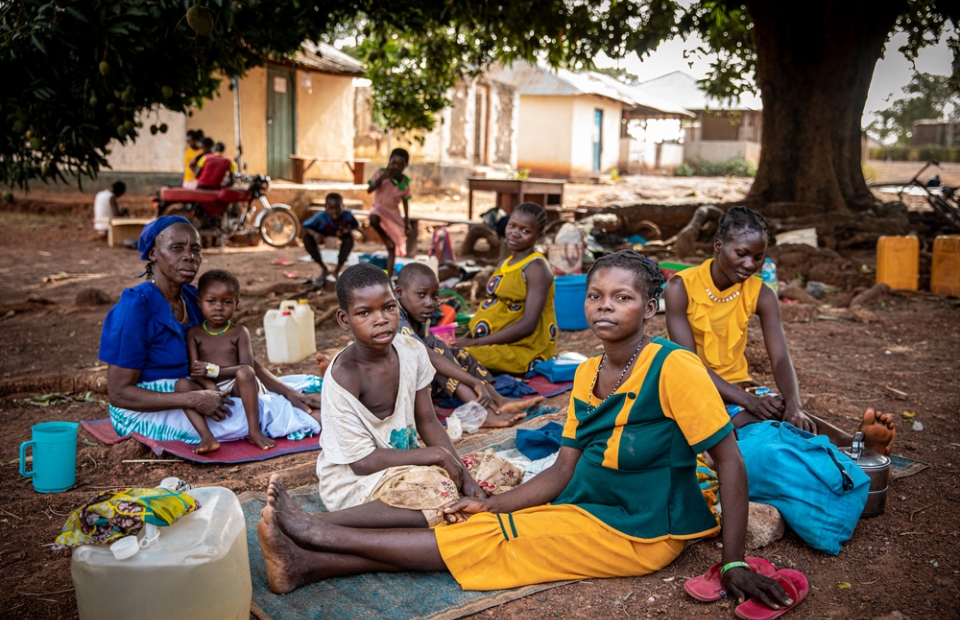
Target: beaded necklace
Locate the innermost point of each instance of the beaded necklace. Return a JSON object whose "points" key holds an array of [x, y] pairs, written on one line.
{"points": [[591, 408], [219, 333], [721, 300]]}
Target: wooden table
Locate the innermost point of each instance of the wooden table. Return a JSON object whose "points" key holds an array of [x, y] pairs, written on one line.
{"points": [[123, 228], [301, 165], [512, 193]]}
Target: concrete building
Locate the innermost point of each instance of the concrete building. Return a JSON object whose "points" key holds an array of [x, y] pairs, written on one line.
{"points": [[934, 132], [303, 107], [477, 133], [720, 130], [571, 124]]}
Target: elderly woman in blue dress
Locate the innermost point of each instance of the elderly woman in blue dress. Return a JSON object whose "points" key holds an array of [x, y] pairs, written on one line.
{"points": [[143, 342]]}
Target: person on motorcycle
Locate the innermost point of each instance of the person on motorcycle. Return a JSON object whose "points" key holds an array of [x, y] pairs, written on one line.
{"points": [[211, 168], [194, 150]]}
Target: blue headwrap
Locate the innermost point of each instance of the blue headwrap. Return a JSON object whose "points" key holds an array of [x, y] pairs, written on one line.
{"points": [[152, 230]]}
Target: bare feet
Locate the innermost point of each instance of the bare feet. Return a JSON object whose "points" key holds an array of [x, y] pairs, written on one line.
{"points": [[518, 405], [879, 432], [260, 440], [207, 444], [289, 517], [500, 419], [281, 556]]}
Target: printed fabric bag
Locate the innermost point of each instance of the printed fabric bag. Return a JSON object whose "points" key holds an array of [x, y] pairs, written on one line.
{"points": [[565, 254], [441, 246], [819, 490]]}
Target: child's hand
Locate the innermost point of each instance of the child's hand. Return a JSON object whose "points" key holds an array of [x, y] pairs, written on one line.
{"points": [[454, 466], [458, 511], [766, 407], [199, 369], [482, 397]]}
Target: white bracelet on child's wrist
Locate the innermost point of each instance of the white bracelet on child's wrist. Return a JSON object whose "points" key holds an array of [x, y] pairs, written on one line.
{"points": [[213, 371]]}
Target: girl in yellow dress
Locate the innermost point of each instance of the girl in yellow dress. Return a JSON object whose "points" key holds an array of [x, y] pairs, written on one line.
{"points": [[620, 500], [515, 327]]}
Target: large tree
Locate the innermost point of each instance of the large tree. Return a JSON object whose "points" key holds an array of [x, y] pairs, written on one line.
{"points": [[812, 61]]}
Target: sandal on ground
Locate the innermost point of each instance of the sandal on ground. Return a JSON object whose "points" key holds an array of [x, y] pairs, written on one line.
{"points": [[794, 584], [708, 587]]}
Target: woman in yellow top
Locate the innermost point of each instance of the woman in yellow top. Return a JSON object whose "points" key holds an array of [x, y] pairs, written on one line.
{"points": [[515, 327], [708, 308], [620, 500], [193, 151]]}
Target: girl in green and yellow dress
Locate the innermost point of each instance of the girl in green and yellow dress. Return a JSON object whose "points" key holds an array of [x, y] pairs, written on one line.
{"points": [[515, 327]]}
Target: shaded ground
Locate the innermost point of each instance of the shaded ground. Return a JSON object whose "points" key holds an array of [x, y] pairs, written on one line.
{"points": [[906, 560]]}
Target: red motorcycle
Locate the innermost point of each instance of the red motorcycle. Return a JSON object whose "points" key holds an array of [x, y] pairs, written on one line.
{"points": [[223, 213]]}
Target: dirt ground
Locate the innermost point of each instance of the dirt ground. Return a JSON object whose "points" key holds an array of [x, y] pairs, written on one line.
{"points": [[906, 560]]}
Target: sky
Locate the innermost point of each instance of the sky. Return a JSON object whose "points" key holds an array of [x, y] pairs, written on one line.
{"points": [[892, 72]]}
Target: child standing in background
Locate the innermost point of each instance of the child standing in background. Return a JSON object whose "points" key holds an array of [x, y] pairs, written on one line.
{"points": [[389, 187], [194, 150]]}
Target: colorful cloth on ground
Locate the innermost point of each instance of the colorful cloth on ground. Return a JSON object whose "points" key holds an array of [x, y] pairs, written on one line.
{"points": [[324, 224], [637, 473], [120, 512], [188, 157], [278, 417], [386, 205], [141, 333], [542, 544], [709, 486], [504, 306], [443, 387], [720, 328], [351, 432]]}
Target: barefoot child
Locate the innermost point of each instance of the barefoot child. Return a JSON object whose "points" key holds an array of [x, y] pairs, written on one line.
{"points": [[221, 358], [376, 401], [390, 187], [458, 373], [621, 499], [333, 221]]}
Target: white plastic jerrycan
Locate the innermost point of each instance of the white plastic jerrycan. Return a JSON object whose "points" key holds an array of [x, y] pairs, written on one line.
{"points": [[429, 261], [303, 313], [283, 337], [197, 568]]}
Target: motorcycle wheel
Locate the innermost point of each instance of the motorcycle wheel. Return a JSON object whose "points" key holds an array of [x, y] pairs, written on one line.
{"points": [[279, 227]]}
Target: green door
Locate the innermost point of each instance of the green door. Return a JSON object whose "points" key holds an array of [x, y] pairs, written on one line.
{"points": [[280, 122]]}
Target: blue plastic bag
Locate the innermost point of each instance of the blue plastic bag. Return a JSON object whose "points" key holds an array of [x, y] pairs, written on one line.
{"points": [[538, 443], [819, 490], [557, 369]]}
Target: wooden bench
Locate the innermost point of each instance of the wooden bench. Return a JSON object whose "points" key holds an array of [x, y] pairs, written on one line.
{"points": [[301, 165], [123, 228]]}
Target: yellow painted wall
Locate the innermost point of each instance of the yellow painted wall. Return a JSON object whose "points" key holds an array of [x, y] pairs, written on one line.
{"points": [[544, 144], [325, 125]]}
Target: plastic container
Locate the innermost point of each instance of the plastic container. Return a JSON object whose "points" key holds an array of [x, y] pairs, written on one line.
{"points": [[570, 293], [283, 337], [802, 236], [945, 269], [670, 269], [447, 333], [198, 568], [303, 313], [898, 262], [429, 261], [769, 274], [54, 448]]}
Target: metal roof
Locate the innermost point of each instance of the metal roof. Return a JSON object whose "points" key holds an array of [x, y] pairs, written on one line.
{"points": [[543, 81], [682, 89], [327, 59]]}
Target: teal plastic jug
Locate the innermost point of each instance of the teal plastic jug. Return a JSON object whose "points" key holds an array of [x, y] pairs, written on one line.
{"points": [[54, 447]]}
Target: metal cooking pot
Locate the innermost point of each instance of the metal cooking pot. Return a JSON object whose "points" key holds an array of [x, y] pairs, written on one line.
{"points": [[877, 467]]}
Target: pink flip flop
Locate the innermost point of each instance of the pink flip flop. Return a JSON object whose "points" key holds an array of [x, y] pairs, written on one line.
{"points": [[708, 587], [796, 587]]}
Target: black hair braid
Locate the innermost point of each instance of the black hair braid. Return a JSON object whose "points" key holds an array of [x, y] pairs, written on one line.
{"points": [[741, 218], [647, 273], [148, 271], [358, 276], [532, 208]]}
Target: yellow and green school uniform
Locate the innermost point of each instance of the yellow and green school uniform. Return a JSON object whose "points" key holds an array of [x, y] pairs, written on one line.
{"points": [[504, 305], [720, 327], [634, 496]]}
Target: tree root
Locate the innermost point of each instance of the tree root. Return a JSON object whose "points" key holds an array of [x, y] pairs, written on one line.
{"points": [[858, 304]]}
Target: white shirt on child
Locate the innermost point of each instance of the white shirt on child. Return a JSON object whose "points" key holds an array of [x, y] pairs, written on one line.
{"points": [[351, 431]]}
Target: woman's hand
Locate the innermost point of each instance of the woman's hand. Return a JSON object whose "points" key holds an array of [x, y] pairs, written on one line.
{"points": [[460, 510], [452, 464], [306, 402], [466, 341], [799, 418], [742, 583], [766, 407], [210, 403]]}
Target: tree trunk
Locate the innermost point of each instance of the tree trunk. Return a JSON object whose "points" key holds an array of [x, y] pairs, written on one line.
{"points": [[815, 62]]}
